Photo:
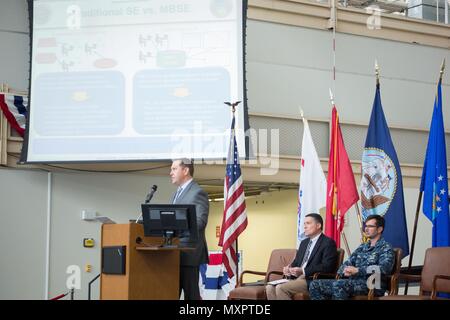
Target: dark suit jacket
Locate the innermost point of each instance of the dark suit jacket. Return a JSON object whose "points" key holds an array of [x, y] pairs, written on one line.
{"points": [[193, 194], [323, 258]]}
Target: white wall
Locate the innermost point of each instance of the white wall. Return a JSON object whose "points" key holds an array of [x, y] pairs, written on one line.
{"points": [[117, 196], [14, 37], [23, 203], [23, 217], [290, 67]]}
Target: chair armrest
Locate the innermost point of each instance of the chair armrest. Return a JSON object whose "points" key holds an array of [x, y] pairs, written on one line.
{"points": [[241, 278], [440, 276], [393, 290], [409, 277], [271, 273], [324, 275], [395, 281], [435, 279]]}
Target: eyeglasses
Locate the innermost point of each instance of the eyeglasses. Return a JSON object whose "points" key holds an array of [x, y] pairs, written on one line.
{"points": [[370, 226]]}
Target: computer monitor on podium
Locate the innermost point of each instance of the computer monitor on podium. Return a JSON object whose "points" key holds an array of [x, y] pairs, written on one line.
{"points": [[171, 221]]}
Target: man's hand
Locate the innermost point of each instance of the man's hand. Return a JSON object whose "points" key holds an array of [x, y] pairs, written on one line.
{"points": [[350, 271], [286, 271], [296, 272]]}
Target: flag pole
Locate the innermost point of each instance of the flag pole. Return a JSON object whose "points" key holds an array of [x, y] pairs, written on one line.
{"points": [[237, 264], [347, 248], [301, 113], [233, 110], [419, 202], [411, 254], [358, 214], [331, 97], [377, 73]]}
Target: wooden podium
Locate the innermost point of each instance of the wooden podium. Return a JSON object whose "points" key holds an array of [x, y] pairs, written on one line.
{"points": [[149, 272]]}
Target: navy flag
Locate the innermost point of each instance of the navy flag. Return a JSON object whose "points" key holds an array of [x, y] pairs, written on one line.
{"points": [[434, 178], [381, 179]]}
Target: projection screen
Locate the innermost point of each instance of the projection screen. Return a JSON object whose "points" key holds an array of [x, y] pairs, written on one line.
{"points": [[135, 80]]}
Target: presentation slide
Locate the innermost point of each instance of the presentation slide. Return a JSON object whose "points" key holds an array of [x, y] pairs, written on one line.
{"points": [[124, 80]]}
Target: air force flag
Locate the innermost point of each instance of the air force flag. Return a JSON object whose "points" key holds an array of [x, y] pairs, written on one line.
{"points": [[434, 178]]}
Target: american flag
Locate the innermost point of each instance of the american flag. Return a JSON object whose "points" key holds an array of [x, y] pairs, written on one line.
{"points": [[234, 214], [214, 281], [15, 110]]}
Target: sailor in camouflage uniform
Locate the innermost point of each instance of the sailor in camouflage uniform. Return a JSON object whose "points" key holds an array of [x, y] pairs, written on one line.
{"points": [[376, 252]]}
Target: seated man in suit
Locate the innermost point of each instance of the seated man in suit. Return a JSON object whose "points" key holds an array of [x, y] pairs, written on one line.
{"points": [[376, 253], [317, 253]]}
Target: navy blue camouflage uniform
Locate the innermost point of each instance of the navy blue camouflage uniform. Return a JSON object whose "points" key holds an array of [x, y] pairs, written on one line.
{"points": [[381, 255]]}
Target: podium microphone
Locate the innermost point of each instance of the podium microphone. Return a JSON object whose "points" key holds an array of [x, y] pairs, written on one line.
{"points": [[151, 193], [148, 198]]}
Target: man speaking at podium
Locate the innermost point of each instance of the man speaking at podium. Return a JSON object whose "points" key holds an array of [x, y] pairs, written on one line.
{"points": [[189, 192]]}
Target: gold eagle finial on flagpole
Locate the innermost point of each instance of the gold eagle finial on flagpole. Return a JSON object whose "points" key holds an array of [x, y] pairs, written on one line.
{"points": [[233, 105]]}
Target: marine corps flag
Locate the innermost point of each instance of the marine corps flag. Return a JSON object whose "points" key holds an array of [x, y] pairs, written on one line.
{"points": [[341, 187], [381, 179]]}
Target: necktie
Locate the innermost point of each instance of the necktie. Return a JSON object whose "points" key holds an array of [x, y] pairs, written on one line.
{"points": [[177, 194], [306, 256]]}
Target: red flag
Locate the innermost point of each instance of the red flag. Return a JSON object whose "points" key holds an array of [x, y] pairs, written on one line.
{"points": [[341, 187]]}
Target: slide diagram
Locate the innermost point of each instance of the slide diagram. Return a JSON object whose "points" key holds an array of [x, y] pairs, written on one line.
{"points": [[167, 101], [81, 103]]}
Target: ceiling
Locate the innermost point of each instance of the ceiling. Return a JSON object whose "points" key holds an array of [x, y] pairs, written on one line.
{"points": [[214, 188], [388, 6]]}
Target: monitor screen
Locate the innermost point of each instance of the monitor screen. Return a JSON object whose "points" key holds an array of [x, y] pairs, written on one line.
{"points": [[169, 221]]}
